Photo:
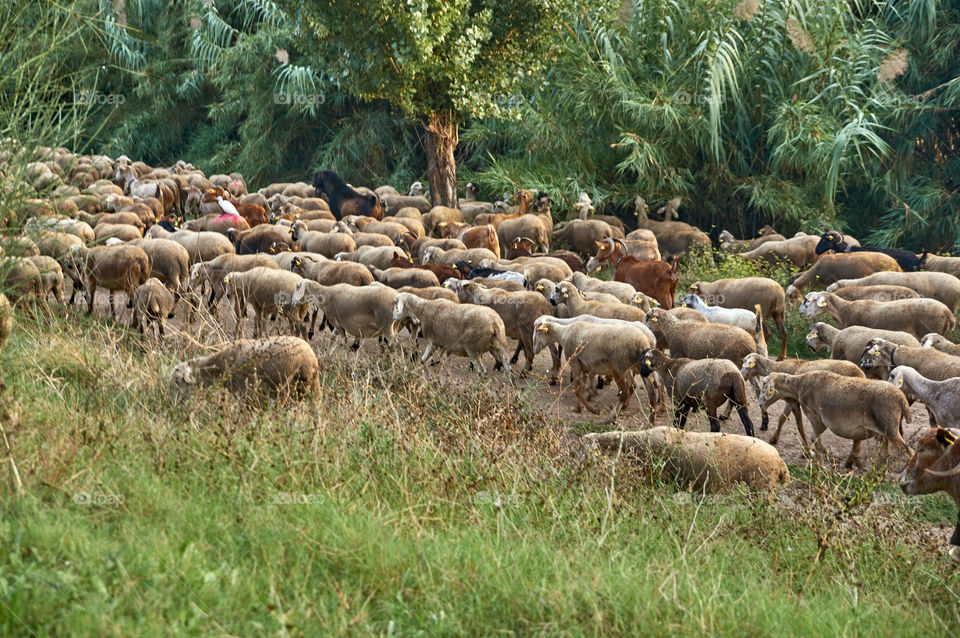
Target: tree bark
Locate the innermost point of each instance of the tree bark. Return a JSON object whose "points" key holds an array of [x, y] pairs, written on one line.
{"points": [[439, 144]]}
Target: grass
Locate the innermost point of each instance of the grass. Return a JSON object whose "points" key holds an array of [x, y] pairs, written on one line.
{"points": [[396, 505]]}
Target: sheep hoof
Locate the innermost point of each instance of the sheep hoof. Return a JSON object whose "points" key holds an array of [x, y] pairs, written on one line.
{"points": [[355, 347], [310, 335], [171, 315]]}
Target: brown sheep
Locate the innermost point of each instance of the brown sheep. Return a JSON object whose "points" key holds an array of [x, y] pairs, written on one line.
{"points": [[832, 268]]}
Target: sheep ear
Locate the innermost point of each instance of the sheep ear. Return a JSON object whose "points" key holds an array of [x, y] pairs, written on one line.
{"points": [[945, 437], [543, 328], [821, 302], [599, 244], [812, 335]]}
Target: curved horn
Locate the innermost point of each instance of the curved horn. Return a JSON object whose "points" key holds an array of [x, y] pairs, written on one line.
{"points": [[945, 473], [619, 241]]}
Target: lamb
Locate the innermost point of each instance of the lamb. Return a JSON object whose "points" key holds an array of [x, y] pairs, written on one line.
{"points": [[940, 286], [756, 366], [704, 461], [575, 304], [700, 340], [849, 407], [270, 292], [695, 384], [746, 293], [621, 290], [916, 317], [940, 343], [875, 293], [751, 322], [836, 268], [848, 344], [800, 251], [327, 244], [398, 277], [518, 310], [463, 329], [152, 304], [613, 350], [377, 256], [115, 268], [886, 355], [51, 276], [277, 364], [218, 222], [936, 263], [473, 256], [361, 312], [942, 398]]}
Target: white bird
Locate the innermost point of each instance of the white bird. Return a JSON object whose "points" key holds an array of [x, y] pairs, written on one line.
{"points": [[227, 207], [416, 189]]}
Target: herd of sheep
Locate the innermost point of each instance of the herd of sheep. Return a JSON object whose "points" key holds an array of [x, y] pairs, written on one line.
{"points": [[378, 264]]}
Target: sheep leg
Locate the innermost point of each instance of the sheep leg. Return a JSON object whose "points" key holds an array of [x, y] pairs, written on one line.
{"points": [[782, 331], [477, 361], [680, 414], [854, 458], [516, 353], [745, 420], [426, 354], [501, 356], [713, 419], [555, 372]]}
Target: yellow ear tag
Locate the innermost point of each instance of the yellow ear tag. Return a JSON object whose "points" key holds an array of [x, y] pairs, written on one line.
{"points": [[899, 382], [875, 352], [543, 328], [752, 364], [196, 275], [653, 319], [769, 392], [566, 296], [226, 280], [821, 302], [812, 335]]}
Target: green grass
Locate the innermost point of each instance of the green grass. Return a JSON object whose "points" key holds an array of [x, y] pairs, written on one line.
{"points": [[397, 505]]}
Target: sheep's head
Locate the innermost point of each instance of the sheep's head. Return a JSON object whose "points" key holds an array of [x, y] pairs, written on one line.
{"points": [[933, 340], [401, 310], [793, 294], [648, 361], [814, 339], [769, 394], [936, 458], [543, 333], [878, 353], [416, 189], [815, 303], [749, 368], [184, 380]]}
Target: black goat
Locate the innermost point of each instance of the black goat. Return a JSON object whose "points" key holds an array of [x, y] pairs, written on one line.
{"points": [[833, 240], [343, 200]]}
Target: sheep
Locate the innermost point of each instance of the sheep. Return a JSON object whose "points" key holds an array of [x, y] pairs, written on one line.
{"points": [[575, 304], [472, 256], [215, 270], [886, 355], [114, 268], [469, 205], [800, 251], [739, 317], [531, 226], [276, 364], [546, 287], [942, 397], [943, 287], [936, 263], [584, 206], [270, 292], [419, 246], [377, 256], [51, 276], [518, 310], [24, 246], [756, 366], [875, 293], [533, 268], [746, 293], [613, 350], [524, 247], [361, 312], [169, 262], [848, 344], [729, 244], [263, 239], [373, 240], [438, 292], [674, 238], [704, 461], [463, 329], [202, 246], [607, 251], [834, 240], [218, 222], [695, 384], [850, 407], [916, 317], [123, 232], [152, 304], [393, 203], [935, 467], [328, 272], [474, 236], [940, 343], [583, 235], [701, 340], [439, 215], [621, 290], [834, 268], [398, 277]]}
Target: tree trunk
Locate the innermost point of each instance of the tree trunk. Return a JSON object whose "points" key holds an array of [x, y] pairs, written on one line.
{"points": [[440, 143]]}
